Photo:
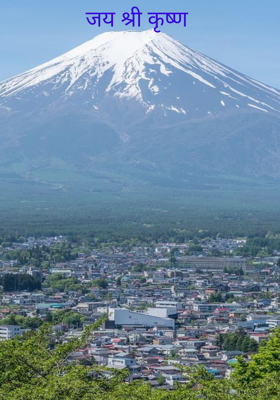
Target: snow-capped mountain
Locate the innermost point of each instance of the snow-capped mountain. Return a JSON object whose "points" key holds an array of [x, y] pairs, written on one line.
{"points": [[140, 100], [152, 69]]}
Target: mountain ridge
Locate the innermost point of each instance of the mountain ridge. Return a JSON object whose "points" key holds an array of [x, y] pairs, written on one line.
{"points": [[123, 60], [144, 102]]}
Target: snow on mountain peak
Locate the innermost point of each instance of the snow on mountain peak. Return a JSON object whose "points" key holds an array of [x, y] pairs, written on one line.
{"points": [[152, 68]]}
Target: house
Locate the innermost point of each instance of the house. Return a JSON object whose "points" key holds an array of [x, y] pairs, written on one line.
{"points": [[9, 331], [121, 360]]}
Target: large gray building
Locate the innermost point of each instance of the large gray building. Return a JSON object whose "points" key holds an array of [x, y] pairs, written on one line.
{"points": [[212, 263]]}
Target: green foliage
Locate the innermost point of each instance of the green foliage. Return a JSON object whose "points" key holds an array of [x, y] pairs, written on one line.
{"points": [[259, 246], [263, 364], [17, 282], [161, 380], [215, 298], [229, 297], [39, 367], [195, 248], [42, 256], [69, 317], [23, 322], [102, 283], [237, 342], [59, 283], [139, 267]]}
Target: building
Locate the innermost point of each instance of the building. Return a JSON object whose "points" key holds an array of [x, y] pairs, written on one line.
{"points": [[273, 323], [212, 263], [166, 312], [166, 303], [125, 317], [211, 307], [120, 361], [9, 331]]}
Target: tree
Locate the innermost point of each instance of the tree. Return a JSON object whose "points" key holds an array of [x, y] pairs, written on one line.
{"points": [[31, 369], [215, 298], [139, 267], [38, 366], [238, 341], [195, 248], [10, 320], [48, 317], [239, 272], [15, 282], [69, 317], [173, 354], [58, 282], [229, 297], [161, 380], [173, 260], [263, 364], [102, 283], [23, 322], [240, 344]]}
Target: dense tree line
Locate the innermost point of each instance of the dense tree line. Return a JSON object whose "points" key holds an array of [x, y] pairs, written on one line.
{"points": [[215, 298], [68, 317], [23, 322], [237, 342], [59, 283], [259, 246], [43, 256], [104, 235], [18, 282]]}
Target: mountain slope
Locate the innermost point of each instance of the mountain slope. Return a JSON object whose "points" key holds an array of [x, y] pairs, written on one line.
{"points": [[153, 69], [144, 103]]}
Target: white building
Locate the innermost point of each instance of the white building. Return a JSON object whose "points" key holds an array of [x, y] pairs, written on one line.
{"points": [[205, 307], [121, 360], [172, 378], [166, 312], [273, 323], [166, 303], [9, 331], [122, 316]]}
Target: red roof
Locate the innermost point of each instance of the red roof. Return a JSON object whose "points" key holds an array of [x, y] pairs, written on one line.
{"points": [[258, 334]]}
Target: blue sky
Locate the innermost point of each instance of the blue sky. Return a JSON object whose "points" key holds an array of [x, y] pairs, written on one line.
{"points": [[244, 35]]}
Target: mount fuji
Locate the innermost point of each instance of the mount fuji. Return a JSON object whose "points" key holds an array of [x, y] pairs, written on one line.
{"points": [[140, 104]]}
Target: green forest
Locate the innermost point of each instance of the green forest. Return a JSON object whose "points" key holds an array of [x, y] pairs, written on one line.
{"points": [[84, 207], [16, 282]]}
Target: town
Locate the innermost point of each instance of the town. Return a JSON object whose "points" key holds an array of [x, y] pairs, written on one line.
{"points": [[203, 302]]}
